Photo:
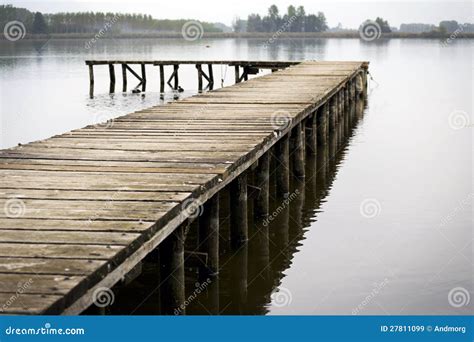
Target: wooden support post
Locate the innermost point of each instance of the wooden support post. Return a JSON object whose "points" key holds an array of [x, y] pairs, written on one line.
{"points": [[238, 207], [237, 74], [112, 78], [199, 69], [312, 136], [176, 80], [172, 272], [340, 102], [209, 234], [347, 96], [91, 80], [245, 75], [364, 83], [297, 153], [211, 76], [124, 78], [162, 78], [143, 77], [332, 113], [283, 167], [262, 181], [322, 117], [91, 74]]}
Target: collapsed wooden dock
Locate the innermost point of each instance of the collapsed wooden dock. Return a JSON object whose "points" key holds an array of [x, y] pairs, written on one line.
{"points": [[82, 209]]}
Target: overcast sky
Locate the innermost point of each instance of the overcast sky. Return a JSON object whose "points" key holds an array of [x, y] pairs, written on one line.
{"points": [[350, 12]]}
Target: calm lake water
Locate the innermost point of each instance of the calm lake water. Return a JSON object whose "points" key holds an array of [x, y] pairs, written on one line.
{"points": [[407, 154]]}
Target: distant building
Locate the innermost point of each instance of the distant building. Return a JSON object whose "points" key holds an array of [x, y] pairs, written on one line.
{"points": [[416, 28]]}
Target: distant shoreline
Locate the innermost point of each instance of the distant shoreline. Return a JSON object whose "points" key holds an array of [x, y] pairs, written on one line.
{"points": [[258, 35]]}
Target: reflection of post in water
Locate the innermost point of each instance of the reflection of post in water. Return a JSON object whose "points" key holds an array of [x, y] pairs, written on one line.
{"points": [[238, 280], [297, 199]]}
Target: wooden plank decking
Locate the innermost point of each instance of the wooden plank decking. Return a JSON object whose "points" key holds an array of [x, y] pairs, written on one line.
{"points": [[82, 208]]}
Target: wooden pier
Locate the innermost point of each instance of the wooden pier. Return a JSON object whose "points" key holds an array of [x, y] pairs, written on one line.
{"points": [[242, 70], [82, 209]]}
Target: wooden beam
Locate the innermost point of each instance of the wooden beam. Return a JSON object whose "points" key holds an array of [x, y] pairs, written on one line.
{"points": [[112, 78], [162, 79], [262, 181], [172, 294], [238, 205], [283, 166], [124, 77], [209, 234], [297, 154]]}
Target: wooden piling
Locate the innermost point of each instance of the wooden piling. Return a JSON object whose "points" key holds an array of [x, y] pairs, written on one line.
{"points": [[91, 74], [323, 126], [262, 177], [199, 69], [112, 78], [283, 167], [237, 74], [312, 130], [162, 78], [238, 208], [172, 294], [332, 113], [143, 77], [211, 76], [176, 79], [209, 234], [297, 135], [124, 77]]}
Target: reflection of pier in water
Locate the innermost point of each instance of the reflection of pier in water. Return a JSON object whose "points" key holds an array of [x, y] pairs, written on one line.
{"points": [[250, 274]]}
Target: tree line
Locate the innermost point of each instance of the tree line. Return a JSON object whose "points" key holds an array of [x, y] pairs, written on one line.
{"points": [[294, 20], [92, 22]]}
